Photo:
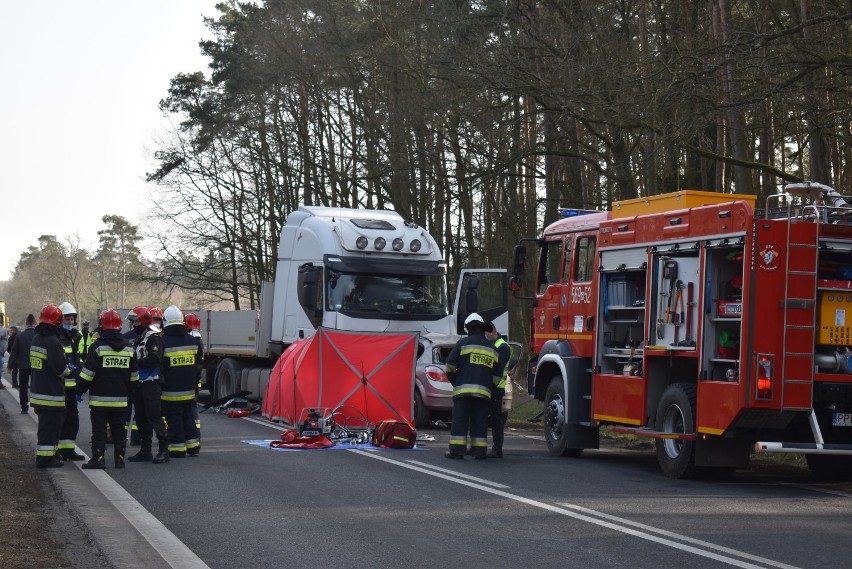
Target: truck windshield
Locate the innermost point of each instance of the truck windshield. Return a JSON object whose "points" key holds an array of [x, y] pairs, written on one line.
{"points": [[394, 297]]}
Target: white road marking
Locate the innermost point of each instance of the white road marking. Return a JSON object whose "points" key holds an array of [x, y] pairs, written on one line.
{"points": [[622, 528], [447, 471], [173, 551], [684, 538]]}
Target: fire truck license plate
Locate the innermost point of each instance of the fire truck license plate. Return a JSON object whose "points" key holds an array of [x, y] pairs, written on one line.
{"points": [[841, 419]]}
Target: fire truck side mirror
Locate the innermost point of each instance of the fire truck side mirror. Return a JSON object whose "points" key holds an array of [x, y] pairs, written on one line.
{"points": [[519, 260]]}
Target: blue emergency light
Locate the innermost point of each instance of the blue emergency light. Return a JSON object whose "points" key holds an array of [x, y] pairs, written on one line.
{"points": [[574, 212]]}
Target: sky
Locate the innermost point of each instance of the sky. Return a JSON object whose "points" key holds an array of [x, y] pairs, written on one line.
{"points": [[79, 116]]}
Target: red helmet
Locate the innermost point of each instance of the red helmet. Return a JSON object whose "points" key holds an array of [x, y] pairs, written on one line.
{"points": [[110, 320], [141, 313], [50, 314], [156, 313], [192, 321]]}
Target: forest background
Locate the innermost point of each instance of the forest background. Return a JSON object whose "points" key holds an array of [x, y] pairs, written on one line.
{"points": [[477, 119]]}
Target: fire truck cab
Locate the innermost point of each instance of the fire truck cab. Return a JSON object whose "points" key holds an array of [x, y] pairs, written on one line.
{"points": [[692, 319]]}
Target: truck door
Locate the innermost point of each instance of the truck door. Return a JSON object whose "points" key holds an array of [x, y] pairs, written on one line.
{"points": [[486, 292]]}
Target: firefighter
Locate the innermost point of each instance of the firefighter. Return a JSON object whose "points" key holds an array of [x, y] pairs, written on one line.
{"points": [[86, 341], [193, 326], [20, 355], [69, 337], [181, 360], [472, 368], [49, 369], [148, 347], [157, 317], [109, 369], [498, 390]]}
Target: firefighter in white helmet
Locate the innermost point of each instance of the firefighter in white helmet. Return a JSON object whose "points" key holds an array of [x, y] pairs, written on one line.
{"points": [[182, 356], [472, 368], [69, 337]]}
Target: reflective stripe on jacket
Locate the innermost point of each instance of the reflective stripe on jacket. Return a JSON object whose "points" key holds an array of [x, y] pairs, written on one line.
{"points": [[472, 367], [181, 361], [48, 369], [109, 370]]}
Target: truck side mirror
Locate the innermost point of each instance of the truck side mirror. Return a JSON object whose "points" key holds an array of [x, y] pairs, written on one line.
{"points": [[471, 301], [309, 277], [519, 260]]}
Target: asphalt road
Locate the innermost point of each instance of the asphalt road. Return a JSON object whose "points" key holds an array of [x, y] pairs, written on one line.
{"points": [[238, 505]]}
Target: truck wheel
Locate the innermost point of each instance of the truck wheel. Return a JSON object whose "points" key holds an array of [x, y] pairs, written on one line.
{"points": [[228, 377], [422, 416], [555, 421], [676, 414]]}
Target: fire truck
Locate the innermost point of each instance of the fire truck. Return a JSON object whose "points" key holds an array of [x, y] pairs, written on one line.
{"points": [[694, 319]]}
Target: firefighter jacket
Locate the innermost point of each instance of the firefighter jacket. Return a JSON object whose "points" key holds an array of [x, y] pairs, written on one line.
{"points": [[504, 352], [86, 341], [148, 347], [182, 357], [108, 372], [70, 339], [49, 369], [472, 367]]}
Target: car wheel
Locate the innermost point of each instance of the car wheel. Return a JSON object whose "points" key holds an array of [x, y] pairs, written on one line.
{"points": [[422, 417]]}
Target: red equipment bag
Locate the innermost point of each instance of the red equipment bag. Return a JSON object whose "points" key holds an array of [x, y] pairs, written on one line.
{"points": [[292, 439], [394, 434]]}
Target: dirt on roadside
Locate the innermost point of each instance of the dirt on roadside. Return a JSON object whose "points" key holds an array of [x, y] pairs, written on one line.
{"points": [[37, 529]]}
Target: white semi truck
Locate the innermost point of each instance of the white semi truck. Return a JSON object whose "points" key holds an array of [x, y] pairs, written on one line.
{"points": [[356, 270]]}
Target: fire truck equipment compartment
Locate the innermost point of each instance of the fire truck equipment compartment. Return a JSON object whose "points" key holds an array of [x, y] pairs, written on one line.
{"points": [[673, 201]]}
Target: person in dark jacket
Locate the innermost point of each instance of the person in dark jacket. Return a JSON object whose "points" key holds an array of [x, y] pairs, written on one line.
{"points": [[107, 375], [20, 357], [182, 356], [13, 369], [472, 368], [47, 396], [148, 347]]}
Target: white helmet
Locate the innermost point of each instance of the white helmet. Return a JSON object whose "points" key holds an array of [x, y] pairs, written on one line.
{"points": [[473, 317], [68, 309], [172, 315]]}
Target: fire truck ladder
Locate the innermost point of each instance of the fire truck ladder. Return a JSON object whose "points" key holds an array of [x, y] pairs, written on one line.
{"points": [[797, 366]]}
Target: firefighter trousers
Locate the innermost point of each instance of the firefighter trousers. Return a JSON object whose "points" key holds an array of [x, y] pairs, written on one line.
{"points": [[496, 421], [112, 416], [183, 435], [149, 413], [71, 425], [470, 416], [49, 425]]}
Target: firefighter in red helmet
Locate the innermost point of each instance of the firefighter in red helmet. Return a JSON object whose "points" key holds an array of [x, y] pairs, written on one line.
{"points": [[49, 369], [109, 369]]}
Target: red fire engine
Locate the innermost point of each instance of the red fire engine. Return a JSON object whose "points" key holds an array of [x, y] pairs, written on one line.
{"points": [[697, 321]]}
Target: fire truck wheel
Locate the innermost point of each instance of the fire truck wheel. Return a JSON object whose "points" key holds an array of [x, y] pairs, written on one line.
{"points": [[676, 414], [556, 422]]}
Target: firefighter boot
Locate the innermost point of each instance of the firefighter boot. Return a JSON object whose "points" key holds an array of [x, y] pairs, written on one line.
{"points": [[49, 462], [495, 452], [97, 460], [144, 454], [119, 448], [71, 454], [162, 453]]}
